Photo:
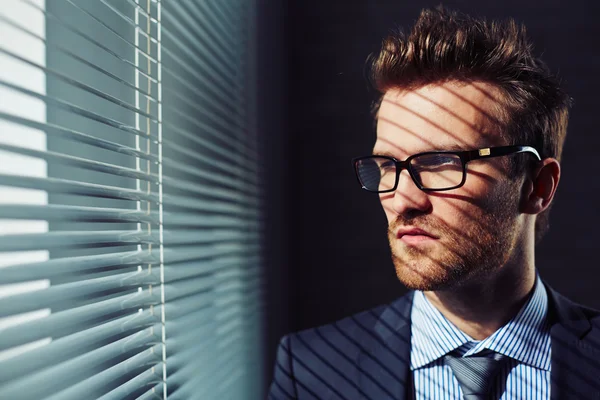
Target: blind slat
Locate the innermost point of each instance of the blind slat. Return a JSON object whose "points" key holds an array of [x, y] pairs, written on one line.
{"points": [[207, 80], [72, 374], [207, 204], [75, 265], [82, 163], [225, 18], [205, 143], [192, 187], [186, 288], [224, 181], [209, 192], [78, 290], [56, 185], [199, 33], [179, 332], [189, 253], [78, 32], [203, 298], [217, 23], [109, 378], [214, 324], [196, 92], [210, 220], [196, 269], [56, 102], [199, 82], [78, 213], [124, 17], [179, 308], [216, 73], [65, 348], [236, 172], [64, 50], [79, 85], [196, 43], [224, 44], [156, 393], [204, 380], [80, 137], [229, 139], [140, 10], [53, 240], [70, 321], [201, 236], [146, 379], [179, 327]]}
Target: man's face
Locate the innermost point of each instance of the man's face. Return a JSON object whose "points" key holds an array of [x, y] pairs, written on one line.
{"points": [[471, 231]]}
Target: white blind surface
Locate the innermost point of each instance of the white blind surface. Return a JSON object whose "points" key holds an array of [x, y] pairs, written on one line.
{"points": [[129, 201]]}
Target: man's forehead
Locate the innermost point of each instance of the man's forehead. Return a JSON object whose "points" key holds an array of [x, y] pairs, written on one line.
{"points": [[468, 92], [464, 101], [449, 116]]}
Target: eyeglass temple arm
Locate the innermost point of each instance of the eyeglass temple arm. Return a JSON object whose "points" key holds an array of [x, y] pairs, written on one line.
{"points": [[502, 151]]}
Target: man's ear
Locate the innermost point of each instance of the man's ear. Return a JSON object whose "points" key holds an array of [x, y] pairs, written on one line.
{"points": [[540, 187]]}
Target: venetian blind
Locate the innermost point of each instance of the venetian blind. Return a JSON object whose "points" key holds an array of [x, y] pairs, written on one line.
{"points": [[144, 278]]}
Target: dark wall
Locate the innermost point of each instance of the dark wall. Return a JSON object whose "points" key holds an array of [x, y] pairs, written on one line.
{"points": [[339, 260], [271, 116]]}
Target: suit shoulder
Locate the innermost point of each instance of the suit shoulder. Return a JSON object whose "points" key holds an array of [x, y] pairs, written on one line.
{"points": [[351, 333], [592, 314], [325, 361], [335, 344], [564, 303], [573, 314], [351, 325]]}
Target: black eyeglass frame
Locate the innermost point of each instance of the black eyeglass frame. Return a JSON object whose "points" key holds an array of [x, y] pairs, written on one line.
{"points": [[465, 157]]}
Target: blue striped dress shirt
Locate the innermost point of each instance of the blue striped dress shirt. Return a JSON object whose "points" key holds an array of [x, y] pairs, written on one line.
{"points": [[525, 339]]}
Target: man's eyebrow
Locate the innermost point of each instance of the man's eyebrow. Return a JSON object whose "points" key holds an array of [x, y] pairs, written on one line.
{"points": [[450, 147], [383, 153], [454, 147]]}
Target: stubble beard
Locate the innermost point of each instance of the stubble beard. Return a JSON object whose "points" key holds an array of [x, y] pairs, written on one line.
{"points": [[459, 257]]}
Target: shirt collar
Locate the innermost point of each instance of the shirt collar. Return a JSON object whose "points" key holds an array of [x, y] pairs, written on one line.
{"points": [[525, 338]]}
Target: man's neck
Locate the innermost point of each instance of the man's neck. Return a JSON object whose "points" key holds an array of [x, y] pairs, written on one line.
{"points": [[481, 309]]}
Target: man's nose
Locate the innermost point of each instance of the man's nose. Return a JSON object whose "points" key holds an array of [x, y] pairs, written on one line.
{"points": [[408, 198]]}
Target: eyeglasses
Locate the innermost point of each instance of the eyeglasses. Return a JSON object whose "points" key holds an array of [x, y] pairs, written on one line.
{"points": [[431, 171]]}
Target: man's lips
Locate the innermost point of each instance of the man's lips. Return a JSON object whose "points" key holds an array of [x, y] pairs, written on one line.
{"points": [[414, 236], [412, 231]]}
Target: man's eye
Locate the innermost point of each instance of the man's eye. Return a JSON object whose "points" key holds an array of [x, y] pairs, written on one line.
{"points": [[387, 165]]}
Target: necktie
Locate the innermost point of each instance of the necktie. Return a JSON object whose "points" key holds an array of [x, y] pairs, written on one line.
{"points": [[476, 373]]}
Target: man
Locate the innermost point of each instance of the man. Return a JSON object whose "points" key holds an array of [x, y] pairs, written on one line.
{"points": [[470, 130]]}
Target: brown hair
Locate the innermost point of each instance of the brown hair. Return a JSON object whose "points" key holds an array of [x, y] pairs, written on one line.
{"points": [[446, 45]]}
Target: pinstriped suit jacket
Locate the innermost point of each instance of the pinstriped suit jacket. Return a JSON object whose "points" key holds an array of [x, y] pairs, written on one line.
{"points": [[366, 356]]}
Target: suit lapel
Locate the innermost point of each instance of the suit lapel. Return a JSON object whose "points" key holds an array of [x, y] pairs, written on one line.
{"points": [[386, 357], [575, 351]]}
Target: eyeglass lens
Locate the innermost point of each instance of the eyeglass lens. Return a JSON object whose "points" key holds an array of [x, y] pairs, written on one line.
{"points": [[432, 171]]}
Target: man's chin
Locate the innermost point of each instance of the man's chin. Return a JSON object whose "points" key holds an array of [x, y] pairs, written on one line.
{"points": [[425, 279]]}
